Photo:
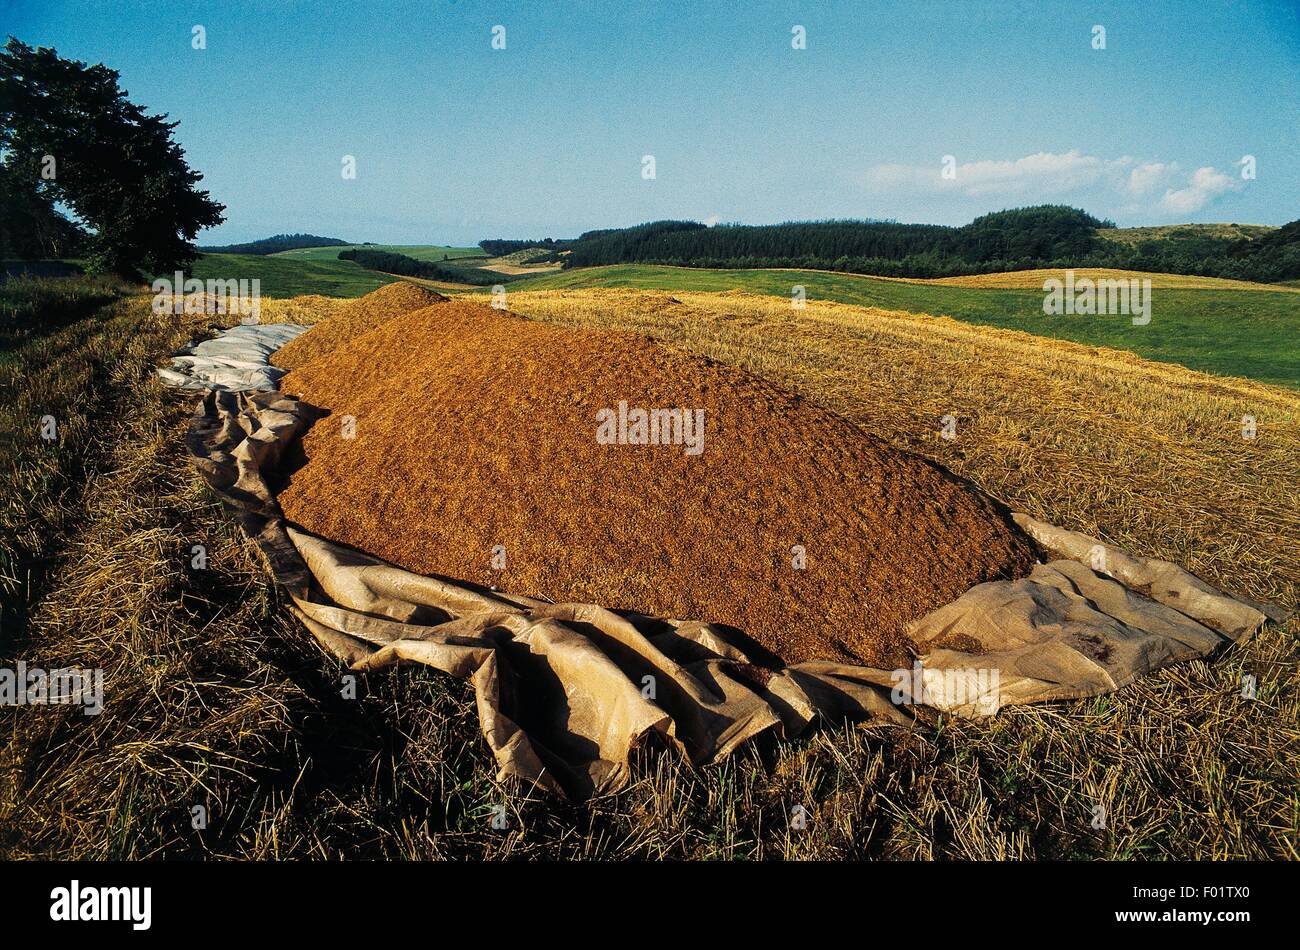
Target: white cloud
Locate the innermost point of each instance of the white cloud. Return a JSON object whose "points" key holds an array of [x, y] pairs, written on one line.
{"points": [[1041, 172], [1108, 185], [1145, 178], [712, 219], [1206, 185]]}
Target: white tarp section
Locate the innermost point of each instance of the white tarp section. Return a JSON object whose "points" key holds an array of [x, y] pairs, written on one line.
{"points": [[236, 360]]}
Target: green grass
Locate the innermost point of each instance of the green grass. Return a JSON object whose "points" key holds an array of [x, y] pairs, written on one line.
{"points": [[1247, 333], [1174, 232], [421, 252], [1253, 334], [38, 304], [286, 277]]}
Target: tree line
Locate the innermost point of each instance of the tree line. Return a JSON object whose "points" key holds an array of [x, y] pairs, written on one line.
{"points": [[391, 263], [1053, 236], [277, 243], [500, 247]]}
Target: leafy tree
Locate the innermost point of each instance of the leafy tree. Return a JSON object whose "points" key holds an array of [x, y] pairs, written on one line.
{"points": [[31, 228], [71, 130]]}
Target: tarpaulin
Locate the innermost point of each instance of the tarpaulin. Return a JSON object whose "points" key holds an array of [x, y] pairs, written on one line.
{"points": [[234, 360], [566, 691]]}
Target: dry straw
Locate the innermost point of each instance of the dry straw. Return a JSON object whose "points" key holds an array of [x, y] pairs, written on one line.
{"points": [[215, 697]]}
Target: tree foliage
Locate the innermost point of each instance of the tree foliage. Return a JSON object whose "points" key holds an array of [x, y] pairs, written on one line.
{"points": [[501, 247], [277, 243], [391, 263], [114, 165], [1017, 239], [31, 228], [1041, 233]]}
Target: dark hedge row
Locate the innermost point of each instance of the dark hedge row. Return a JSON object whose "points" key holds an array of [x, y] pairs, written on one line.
{"points": [[390, 263], [1019, 239]]}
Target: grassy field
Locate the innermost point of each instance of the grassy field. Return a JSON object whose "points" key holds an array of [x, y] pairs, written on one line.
{"points": [[1230, 328], [471, 260], [61, 342], [421, 252], [215, 697], [1033, 279], [283, 277], [1249, 333], [1169, 232]]}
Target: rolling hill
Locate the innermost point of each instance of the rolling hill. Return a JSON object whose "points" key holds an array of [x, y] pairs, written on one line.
{"points": [[283, 276], [1252, 333], [421, 252], [273, 245], [1232, 328], [1184, 232]]}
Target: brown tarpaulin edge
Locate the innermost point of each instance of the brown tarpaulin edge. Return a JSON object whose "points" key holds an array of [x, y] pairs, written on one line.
{"points": [[565, 691]]}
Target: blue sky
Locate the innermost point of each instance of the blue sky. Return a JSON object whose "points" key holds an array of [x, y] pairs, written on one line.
{"points": [[455, 141]]}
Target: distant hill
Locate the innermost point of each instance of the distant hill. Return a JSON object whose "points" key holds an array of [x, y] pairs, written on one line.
{"points": [[502, 248], [1234, 251], [1020, 239], [403, 265], [1184, 232], [421, 252], [276, 244], [1017, 239]]}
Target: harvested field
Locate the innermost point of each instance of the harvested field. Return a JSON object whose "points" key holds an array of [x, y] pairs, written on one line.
{"points": [[503, 266], [353, 319], [475, 428], [306, 310], [1034, 279], [217, 687], [1148, 456]]}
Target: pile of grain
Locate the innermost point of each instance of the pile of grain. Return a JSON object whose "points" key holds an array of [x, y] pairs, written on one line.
{"points": [[475, 428], [353, 319]]}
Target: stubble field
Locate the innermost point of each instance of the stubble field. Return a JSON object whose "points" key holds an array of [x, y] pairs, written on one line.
{"points": [[213, 696]]}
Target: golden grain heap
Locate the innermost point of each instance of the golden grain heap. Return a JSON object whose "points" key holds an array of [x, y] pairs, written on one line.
{"points": [[505, 452], [354, 318]]}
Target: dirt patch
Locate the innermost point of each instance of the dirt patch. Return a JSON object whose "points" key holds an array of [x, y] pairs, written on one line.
{"points": [[353, 319], [474, 429]]}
